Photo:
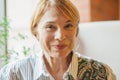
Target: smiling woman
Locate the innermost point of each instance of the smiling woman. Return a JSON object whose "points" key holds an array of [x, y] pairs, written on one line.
{"points": [[55, 26], [59, 33]]}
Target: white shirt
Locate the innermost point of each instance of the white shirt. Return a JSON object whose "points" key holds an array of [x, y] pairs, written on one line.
{"points": [[30, 68], [33, 68]]}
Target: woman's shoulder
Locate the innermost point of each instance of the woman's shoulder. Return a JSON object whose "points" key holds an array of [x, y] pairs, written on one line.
{"points": [[83, 60], [93, 69], [17, 65], [90, 63]]}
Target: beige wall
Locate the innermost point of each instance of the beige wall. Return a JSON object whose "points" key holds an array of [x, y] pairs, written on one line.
{"points": [[119, 9], [84, 8], [104, 10], [98, 10]]}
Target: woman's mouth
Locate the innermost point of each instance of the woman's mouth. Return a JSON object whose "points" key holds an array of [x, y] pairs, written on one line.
{"points": [[60, 47]]}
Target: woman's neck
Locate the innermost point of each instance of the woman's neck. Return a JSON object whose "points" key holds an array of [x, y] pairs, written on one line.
{"points": [[57, 65]]}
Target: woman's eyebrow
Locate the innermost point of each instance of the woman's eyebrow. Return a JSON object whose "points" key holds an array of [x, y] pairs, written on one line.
{"points": [[50, 22], [68, 21]]}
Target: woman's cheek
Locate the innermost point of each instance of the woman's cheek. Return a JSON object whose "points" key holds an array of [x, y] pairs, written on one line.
{"points": [[47, 41]]}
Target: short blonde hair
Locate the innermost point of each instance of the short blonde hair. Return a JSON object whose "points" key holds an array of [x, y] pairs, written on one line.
{"points": [[65, 7]]}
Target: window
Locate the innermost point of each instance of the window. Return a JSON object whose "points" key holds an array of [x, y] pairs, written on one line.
{"points": [[2, 9], [2, 29], [20, 39]]}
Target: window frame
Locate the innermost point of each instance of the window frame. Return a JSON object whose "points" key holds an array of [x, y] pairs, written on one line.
{"points": [[3, 10]]}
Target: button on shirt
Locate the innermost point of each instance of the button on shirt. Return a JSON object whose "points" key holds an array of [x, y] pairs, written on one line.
{"points": [[33, 68]]}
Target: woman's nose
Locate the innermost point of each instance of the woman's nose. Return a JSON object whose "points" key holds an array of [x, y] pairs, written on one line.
{"points": [[59, 34]]}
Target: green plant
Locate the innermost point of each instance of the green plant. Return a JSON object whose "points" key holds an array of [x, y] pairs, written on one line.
{"points": [[25, 49], [4, 33], [5, 53]]}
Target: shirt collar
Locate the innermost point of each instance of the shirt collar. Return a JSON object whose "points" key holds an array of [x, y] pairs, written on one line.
{"points": [[40, 68]]}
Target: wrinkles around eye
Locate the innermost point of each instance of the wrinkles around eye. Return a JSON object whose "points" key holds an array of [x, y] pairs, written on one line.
{"points": [[50, 27]]}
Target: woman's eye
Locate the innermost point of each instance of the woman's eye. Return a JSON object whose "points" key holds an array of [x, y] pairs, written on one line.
{"points": [[50, 27], [69, 26]]}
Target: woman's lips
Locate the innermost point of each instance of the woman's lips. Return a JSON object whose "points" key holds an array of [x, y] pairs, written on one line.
{"points": [[59, 47]]}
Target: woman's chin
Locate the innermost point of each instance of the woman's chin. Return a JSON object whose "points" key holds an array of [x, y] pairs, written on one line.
{"points": [[59, 54]]}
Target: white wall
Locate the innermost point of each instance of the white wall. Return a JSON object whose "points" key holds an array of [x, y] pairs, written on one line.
{"points": [[101, 41], [20, 12]]}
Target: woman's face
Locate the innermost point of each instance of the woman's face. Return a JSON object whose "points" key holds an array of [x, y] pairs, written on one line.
{"points": [[56, 33]]}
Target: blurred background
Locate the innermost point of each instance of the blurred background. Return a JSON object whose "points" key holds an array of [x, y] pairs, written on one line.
{"points": [[99, 26], [98, 10]]}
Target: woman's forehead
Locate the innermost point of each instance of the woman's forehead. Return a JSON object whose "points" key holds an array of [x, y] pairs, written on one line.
{"points": [[53, 14]]}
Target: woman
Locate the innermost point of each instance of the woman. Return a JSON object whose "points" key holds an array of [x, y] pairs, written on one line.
{"points": [[55, 25]]}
